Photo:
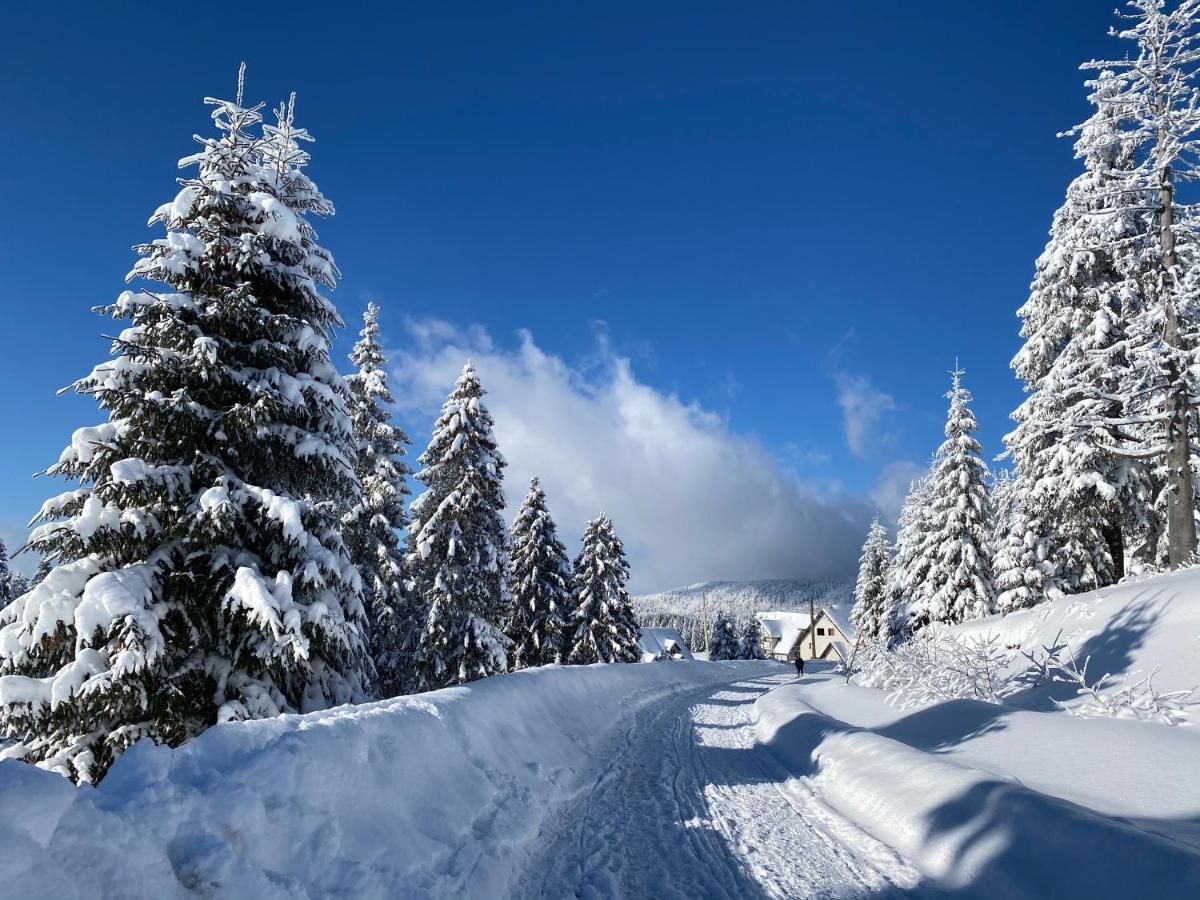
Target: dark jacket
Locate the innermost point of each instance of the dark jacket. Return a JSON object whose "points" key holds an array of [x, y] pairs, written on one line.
{"points": [[799, 666]]}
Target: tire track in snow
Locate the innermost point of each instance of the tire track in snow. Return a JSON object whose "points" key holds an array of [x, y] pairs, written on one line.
{"points": [[689, 806]]}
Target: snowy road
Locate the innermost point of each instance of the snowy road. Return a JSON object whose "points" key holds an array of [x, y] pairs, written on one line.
{"points": [[688, 805]]}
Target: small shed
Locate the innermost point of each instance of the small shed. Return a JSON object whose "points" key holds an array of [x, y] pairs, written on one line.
{"points": [[663, 643]]}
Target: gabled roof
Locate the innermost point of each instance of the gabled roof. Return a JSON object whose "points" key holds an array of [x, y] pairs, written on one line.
{"points": [[841, 618], [785, 627]]}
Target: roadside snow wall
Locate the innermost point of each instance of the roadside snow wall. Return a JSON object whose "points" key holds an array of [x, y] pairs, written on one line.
{"points": [[396, 798]]}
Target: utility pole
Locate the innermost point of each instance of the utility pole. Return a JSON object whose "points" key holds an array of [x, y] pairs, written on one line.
{"points": [[812, 625]]}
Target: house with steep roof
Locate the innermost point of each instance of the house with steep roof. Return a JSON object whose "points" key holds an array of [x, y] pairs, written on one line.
{"points": [[789, 633]]}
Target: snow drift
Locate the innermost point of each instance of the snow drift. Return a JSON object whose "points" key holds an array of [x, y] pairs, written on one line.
{"points": [[1018, 798], [948, 790], [1129, 629], [417, 796]]}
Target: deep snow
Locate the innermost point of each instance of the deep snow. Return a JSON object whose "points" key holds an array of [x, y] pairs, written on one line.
{"points": [[669, 779], [442, 794], [989, 801]]}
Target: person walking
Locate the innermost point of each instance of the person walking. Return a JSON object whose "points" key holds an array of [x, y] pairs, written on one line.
{"points": [[799, 666]]}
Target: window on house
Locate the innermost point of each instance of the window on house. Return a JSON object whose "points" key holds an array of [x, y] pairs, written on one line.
{"points": [[820, 631]]}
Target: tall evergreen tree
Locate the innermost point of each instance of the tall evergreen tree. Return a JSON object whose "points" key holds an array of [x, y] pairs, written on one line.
{"points": [[540, 585], [1159, 108], [960, 575], [908, 585], [200, 573], [456, 555], [6, 586], [723, 644], [871, 587], [370, 526], [1075, 361], [603, 625]]}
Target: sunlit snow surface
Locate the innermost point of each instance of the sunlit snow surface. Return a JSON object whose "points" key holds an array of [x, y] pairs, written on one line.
{"points": [[664, 779]]}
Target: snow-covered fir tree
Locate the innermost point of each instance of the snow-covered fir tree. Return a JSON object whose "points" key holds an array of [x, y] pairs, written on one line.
{"points": [[6, 592], [723, 643], [1155, 96], [908, 584], [873, 583], [1075, 364], [370, 526], [540, 584], [456, 549], [960, 573], [603, 627], [1022, 569], [199, 570], [750, 641]]}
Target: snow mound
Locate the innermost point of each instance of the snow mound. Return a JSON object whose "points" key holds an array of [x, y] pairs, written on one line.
{"points": [[973, 792], [1128, 629], [434, 795]]}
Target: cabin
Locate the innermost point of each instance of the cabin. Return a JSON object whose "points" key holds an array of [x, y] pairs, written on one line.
{"points": [[662, 643], [789, 633]]}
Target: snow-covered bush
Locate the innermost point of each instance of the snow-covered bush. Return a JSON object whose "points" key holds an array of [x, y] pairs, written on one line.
{"points": [[1132, 700], [934, 668]]}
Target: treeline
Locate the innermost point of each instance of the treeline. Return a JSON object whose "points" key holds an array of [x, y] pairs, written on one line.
{"points": [[1103, 465], [238, 545]]}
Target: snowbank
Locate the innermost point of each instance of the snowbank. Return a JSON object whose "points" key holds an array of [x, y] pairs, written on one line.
{"points": [[418, 796], [1128, 629], [974, 793]]}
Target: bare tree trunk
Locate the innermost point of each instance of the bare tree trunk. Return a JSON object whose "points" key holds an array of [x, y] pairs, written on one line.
{"points": [[1116, 549], [1181, 523]]}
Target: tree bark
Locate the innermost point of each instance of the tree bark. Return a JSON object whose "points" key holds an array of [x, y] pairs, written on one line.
{"points": [[1116, 549], [1181, 523]]}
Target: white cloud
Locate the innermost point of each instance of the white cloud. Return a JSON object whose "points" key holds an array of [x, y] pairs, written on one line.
{"points": [[692, 499], [863, 405]]}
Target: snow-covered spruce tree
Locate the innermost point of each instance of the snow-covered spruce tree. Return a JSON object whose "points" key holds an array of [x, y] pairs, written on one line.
{"points": [[1159, 107], [871, 587], [724, 641], [370, 526], [1021, 567], [539, 579], [960, 574], [456, 548], [200, 574], [750, 641], [603, 627], [1075, 363], [6, 593], [908, 585]]}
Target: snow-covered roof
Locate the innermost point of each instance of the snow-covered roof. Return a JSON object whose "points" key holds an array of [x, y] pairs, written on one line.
{"points": [[841, 618], [657, 641], [785, 627]]}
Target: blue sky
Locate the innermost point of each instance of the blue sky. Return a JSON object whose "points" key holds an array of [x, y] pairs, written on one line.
{"points": [[782, 221]]}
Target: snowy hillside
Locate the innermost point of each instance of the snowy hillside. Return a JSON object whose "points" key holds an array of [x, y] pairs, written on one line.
{"points": [[1125, 631], [682, 608]]}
